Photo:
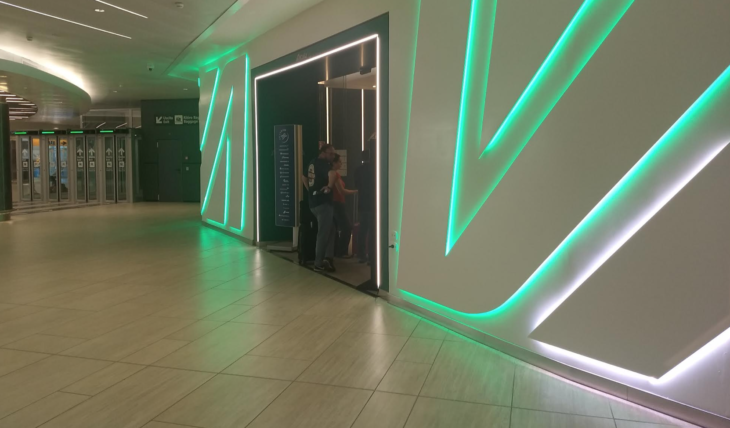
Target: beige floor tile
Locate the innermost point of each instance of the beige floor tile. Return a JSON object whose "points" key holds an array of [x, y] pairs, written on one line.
{"points": [[537, 390], [6, 306], [134, 401], [385, 410], [313, 406], [155, 424], [279, 310], [257, 297], [204, 304], [228, 313], [43, 410], [225, 402], [384, 318], [14, 312], [428, 330], [100, 323], [11, 360], [195, 330], [344, 303], [419, 350], [155, 352], [304, 339], [96, 300], [127, 340], [535, 419], [632, 424], [404, 378], [356, 360], [220, 348], [20, 328], [433, 413], [623, 410], [268, 367], [470, 372], [103, 379], [31, 383], [45, 344]]}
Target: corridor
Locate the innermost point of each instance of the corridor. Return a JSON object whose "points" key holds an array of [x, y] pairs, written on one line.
{"points": [[134, 316]]}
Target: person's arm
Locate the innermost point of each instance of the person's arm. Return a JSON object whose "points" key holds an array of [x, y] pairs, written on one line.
{"points": [[332, 175], [342, 190], [305, 182]]}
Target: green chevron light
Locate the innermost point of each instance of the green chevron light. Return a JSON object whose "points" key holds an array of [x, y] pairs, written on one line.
{"points": [[210, 109], [214, 171], [246, 102], [590, 26]]}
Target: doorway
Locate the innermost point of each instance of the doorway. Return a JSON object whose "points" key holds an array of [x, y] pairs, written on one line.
{"points": [[170, 171], [329, 81]]}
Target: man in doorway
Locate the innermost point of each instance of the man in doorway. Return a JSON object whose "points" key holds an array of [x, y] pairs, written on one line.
{"points": [[320, 181], [364, 185]]}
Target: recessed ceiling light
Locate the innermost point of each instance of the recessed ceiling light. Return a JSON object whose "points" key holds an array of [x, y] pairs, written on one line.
{"points": [[117, 7], [99, 10], [185, 89], [115, 91], [63, 19], [55, 128]]}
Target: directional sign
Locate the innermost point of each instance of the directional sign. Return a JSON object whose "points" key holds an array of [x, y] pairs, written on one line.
{"points": [[121, 152], [25, 153], [79, 152], [92, 152], [109, 152]]}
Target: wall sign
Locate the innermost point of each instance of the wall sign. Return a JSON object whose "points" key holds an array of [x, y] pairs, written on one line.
{"points": [[176, 119], [285, 175]]}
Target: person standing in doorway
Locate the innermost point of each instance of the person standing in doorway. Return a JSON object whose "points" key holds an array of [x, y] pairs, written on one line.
{"points": [[342, 220], [320, 180], [364, 184]]}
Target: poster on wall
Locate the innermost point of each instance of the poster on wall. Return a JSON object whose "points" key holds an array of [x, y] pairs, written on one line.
{"points": [[285, 170]]}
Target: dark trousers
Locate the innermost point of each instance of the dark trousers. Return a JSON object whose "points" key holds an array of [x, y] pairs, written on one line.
{"points": [[364, 234], [344, 229]]}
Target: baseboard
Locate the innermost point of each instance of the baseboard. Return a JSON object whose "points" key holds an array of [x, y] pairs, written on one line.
{"points": [[642, 398]]}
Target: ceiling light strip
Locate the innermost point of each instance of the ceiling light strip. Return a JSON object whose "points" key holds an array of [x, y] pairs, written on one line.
{"points": [[63, 19], [120, 8]]}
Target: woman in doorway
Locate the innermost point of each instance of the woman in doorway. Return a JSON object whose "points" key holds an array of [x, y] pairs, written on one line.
{"points": [[344, 227]]}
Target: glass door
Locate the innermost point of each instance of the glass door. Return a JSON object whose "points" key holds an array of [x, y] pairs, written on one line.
{"points": [[109, 186], [80, 152], [52, 142], [63, 167], [91, 168], [37, 194], [121, 153], [25, 169]]}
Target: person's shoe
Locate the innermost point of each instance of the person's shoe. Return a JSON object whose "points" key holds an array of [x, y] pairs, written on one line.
{"points": [[318, 268], [328, 266]]}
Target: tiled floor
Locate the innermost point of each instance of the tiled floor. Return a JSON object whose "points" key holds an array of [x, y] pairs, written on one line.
{"points": [[138, 316]]}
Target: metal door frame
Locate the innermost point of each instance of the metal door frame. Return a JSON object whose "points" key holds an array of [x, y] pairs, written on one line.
{"points": [[47, 177], [43, 147]]}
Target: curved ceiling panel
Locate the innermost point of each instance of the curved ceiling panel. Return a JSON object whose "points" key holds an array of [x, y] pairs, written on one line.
{"points": [[52, 99]]}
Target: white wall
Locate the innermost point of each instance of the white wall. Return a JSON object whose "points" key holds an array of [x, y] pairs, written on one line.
{"points": [[660, 57]]}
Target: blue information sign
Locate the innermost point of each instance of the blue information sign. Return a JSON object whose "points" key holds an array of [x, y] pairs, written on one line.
{"points": [[285, 171]]}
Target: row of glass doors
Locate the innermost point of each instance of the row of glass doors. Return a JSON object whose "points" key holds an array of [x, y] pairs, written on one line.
{"points": [[71, 167]]}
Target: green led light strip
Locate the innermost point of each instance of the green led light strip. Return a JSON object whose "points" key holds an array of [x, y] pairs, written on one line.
{"points": [[77, 132], [246, 97], [48, 132], [20, 133], [590, 26], [214, 171], [107, 131], [210, 110]]}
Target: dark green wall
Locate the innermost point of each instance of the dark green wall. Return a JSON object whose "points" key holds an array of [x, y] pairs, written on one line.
{"points": [[188, 136]]}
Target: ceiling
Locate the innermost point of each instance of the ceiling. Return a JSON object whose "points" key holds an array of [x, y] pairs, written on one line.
{"points": [[113, 70]]}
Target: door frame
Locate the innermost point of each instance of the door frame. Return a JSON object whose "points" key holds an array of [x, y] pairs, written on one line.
{"points": [[378, 29]]}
